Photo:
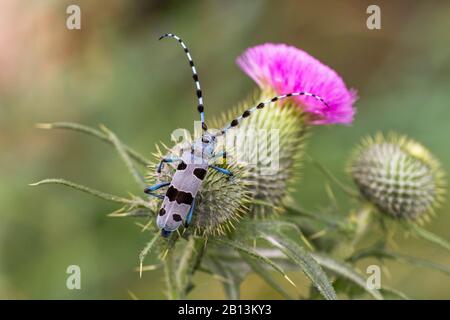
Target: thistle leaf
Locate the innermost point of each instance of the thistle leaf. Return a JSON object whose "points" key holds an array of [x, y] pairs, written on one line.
{"points": [[346, 189], [250, 252], [385, 254], [393, 294], [188, 263], [259, 269], [345, 270], [304, 260], [429, 236], [173, 291], [231, 279], [328, 220], [146, 251], [135, 202], [141, 213], [95, 133], [124, 156]]}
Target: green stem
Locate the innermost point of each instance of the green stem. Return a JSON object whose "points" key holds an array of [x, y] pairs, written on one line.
{"points": [[169, 272], [124, 156], [346, 189], [361, 222], [137, 202], [189, 263], [95, 133]]}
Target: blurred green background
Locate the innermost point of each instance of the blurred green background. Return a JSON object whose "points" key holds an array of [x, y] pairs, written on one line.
{"points": [[114, 71]]}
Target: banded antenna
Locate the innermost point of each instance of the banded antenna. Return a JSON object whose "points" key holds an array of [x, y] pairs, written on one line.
{"points": [[261, 105], [200, 106]]}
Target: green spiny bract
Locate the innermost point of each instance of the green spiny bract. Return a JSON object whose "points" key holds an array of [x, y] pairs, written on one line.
{"points": [[219, 202], [278, 128], [399, 176], [255, 188]]}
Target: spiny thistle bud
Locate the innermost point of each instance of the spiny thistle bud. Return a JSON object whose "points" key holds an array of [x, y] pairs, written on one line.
{"points": [[269, 146], [220, 200], [261, 176], [399, 176]]}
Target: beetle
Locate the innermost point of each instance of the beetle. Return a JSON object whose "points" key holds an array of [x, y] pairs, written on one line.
{"points": [[179, 201]]}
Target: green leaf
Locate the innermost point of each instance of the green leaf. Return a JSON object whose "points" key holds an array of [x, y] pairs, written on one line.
{"points": [[386, 254], [346, 189], [95, 133], [244, 249], [429, 236], [189, 261], [231, 279], [345, 270], [274, 232], [173, 291], [124, 156], [137, 213], [254, 228], [328, 220], [135, 202], [259, 269], [146, 251], [305, 261], [393, 294]]}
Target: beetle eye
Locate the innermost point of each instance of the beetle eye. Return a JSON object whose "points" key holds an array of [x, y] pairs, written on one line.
{"points": [[205, 140]]}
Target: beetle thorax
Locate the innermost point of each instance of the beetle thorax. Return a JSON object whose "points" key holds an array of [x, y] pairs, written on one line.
{"points": [[202, 150]]}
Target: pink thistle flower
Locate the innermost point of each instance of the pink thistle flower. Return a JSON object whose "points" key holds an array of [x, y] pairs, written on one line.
{"points": [[286, 69]]}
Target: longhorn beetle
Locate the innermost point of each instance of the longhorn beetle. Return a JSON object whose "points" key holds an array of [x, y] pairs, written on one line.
{"points": [[179, 201]]}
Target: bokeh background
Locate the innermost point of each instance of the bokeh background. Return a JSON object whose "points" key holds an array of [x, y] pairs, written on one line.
{"points": [[114, 71]]}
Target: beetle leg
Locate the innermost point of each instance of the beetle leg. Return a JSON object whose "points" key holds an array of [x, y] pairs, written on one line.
{"points": [[189, 215], [166, 160], [222, 170], [150, 189]]}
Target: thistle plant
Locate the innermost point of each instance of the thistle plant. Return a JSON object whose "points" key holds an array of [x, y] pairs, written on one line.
{"points": [[399, 176], [250, 223]]}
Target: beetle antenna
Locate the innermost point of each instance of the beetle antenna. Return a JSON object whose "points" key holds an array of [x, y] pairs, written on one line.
{"points": [[261, 105], [200, 106]]}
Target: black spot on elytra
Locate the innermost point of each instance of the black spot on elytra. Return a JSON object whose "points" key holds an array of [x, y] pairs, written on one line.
{"points": [[234, 123], [200, 108], [171, 193], [274, 99], [245, 114], [184, 197], [195, 76], [162, 212], [179, 196], [176, 217], [199, 93], [200, 173], [204, 126], [182, 166], [260, 106], [289, 94]]}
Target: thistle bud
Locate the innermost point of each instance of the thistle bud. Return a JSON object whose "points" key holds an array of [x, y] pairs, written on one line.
{"points": [[399, 176], [260, 182], [269, 146]]}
